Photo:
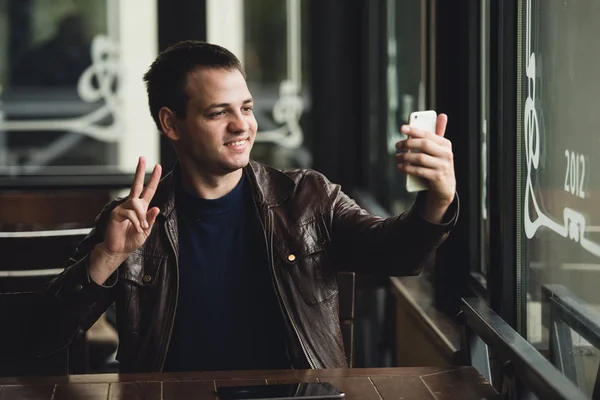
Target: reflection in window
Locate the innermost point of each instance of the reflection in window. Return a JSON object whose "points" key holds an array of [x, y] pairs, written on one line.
{"points": [[558, 200], [275, 60], [58, 80], [406, 85]]}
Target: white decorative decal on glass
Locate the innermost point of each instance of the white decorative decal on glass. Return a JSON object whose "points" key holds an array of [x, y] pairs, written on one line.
{"points": [[99, 82], [287, 111], [574, 223], [575, 173], [289, 107]]}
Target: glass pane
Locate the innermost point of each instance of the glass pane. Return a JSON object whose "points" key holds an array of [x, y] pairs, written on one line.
{"points": [[586, 362], [58, 87], [279, 80], [406, 85], [560, 182]]}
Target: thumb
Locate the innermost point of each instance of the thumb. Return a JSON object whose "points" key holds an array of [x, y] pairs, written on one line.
{"points": [[151, 215], [440, 126]]}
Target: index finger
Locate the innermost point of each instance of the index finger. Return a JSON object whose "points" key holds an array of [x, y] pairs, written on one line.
{"points": [[417, 133], [138, 180], [150, 188], [440, 126]]}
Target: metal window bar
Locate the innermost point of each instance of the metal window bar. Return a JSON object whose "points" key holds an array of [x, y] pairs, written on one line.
{"points": [[562, 311], [528, 370]]}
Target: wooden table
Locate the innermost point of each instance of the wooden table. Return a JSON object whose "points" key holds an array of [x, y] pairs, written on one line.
{"points": [[425, 383]]}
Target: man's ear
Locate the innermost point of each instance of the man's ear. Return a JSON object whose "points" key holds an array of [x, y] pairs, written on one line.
{"points": [[168, 123]]}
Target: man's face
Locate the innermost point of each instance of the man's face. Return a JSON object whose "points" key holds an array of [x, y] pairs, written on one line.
{"points": [[219, 130]]}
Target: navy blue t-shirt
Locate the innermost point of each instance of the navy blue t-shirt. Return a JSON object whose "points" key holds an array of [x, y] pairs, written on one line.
{"points": [[227, 317]]}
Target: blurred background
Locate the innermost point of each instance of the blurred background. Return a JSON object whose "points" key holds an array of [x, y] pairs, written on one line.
{"points": [[333, 81]]}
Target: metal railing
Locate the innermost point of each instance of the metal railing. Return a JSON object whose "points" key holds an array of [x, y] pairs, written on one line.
{"points": [[536, 376], [563, 311]]}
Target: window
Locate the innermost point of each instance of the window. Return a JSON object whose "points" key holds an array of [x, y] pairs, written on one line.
{"points": [[271, 42], [558, 186], [72, 99], [406, 38]]}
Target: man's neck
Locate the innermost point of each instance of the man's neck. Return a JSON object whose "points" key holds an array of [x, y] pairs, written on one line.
{"points": [[208, 186]]}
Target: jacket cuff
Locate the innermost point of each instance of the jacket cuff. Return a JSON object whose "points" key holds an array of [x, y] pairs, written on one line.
{"points": [[449, 219], [110, 282], [79, 288]]}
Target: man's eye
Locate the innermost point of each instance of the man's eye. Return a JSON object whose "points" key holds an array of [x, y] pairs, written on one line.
{"points": [[247, 109], [216, 114]]}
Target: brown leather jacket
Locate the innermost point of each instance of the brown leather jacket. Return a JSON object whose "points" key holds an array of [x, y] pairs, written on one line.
{"points": [[301, 214]]}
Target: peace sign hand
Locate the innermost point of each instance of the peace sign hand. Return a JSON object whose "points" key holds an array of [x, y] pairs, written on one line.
{"points": [[128, 227]]}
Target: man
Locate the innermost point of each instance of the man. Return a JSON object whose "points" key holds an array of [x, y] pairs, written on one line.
{"points": [[227, 263]]}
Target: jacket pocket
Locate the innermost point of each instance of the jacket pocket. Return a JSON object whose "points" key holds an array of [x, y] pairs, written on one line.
{"points": [[304, 261], [141, 270]]}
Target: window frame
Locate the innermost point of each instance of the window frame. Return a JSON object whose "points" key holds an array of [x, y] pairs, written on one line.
{"points": [[503, 276]]}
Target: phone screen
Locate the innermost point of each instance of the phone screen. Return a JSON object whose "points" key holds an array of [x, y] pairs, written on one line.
{"points": [[317, 390]]}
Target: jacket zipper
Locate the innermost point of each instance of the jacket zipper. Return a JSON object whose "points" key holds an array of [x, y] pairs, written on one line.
{"points": [[164, 356], [289, 315]]}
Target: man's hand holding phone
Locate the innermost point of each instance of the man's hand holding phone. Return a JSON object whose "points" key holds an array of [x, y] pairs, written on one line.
{"points": [[428, 154], [128, 227]]}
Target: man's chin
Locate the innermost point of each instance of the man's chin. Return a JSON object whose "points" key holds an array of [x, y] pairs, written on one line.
{"points": [[235, 165]]}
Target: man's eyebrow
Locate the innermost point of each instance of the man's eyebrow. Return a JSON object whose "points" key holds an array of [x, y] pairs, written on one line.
{"points": [[225, 105]]}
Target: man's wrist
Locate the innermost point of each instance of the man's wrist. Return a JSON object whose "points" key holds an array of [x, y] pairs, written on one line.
{"points": [[435, 208], [103, 264]]}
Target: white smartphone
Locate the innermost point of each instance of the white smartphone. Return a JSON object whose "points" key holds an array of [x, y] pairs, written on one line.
{"points": [[425, 120]]}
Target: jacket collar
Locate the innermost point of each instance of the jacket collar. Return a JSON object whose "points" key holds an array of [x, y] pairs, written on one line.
{"points": [[164, 198], [270, 186]]}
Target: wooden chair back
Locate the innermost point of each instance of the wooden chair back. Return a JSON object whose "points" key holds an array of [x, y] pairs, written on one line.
{"points": [[346, 285], [28, 260]]}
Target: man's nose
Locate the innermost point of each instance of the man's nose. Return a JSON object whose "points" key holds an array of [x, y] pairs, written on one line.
{"points": [[238, 123]]}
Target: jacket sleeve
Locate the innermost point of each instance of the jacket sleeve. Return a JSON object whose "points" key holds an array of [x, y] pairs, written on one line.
{"points": [[396, 246], [72, 302]]}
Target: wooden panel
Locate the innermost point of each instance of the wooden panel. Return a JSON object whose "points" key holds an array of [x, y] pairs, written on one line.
{"points": [[239, 382], [189, 390], [355, 388], [227, 375], [403, 387], [50, 210], [27, 393], [424, 335], [369, 384], [463, 383], [135, 390], [83, 391], [286, 381], [414, 344]]}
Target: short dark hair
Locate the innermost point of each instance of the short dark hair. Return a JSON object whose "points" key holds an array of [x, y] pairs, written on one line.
{"points": [[166, 78]]}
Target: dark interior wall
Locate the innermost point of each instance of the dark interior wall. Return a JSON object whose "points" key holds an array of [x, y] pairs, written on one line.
{"points": [[177, 21], [338, 62], [456, 93], [185, 20]]}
